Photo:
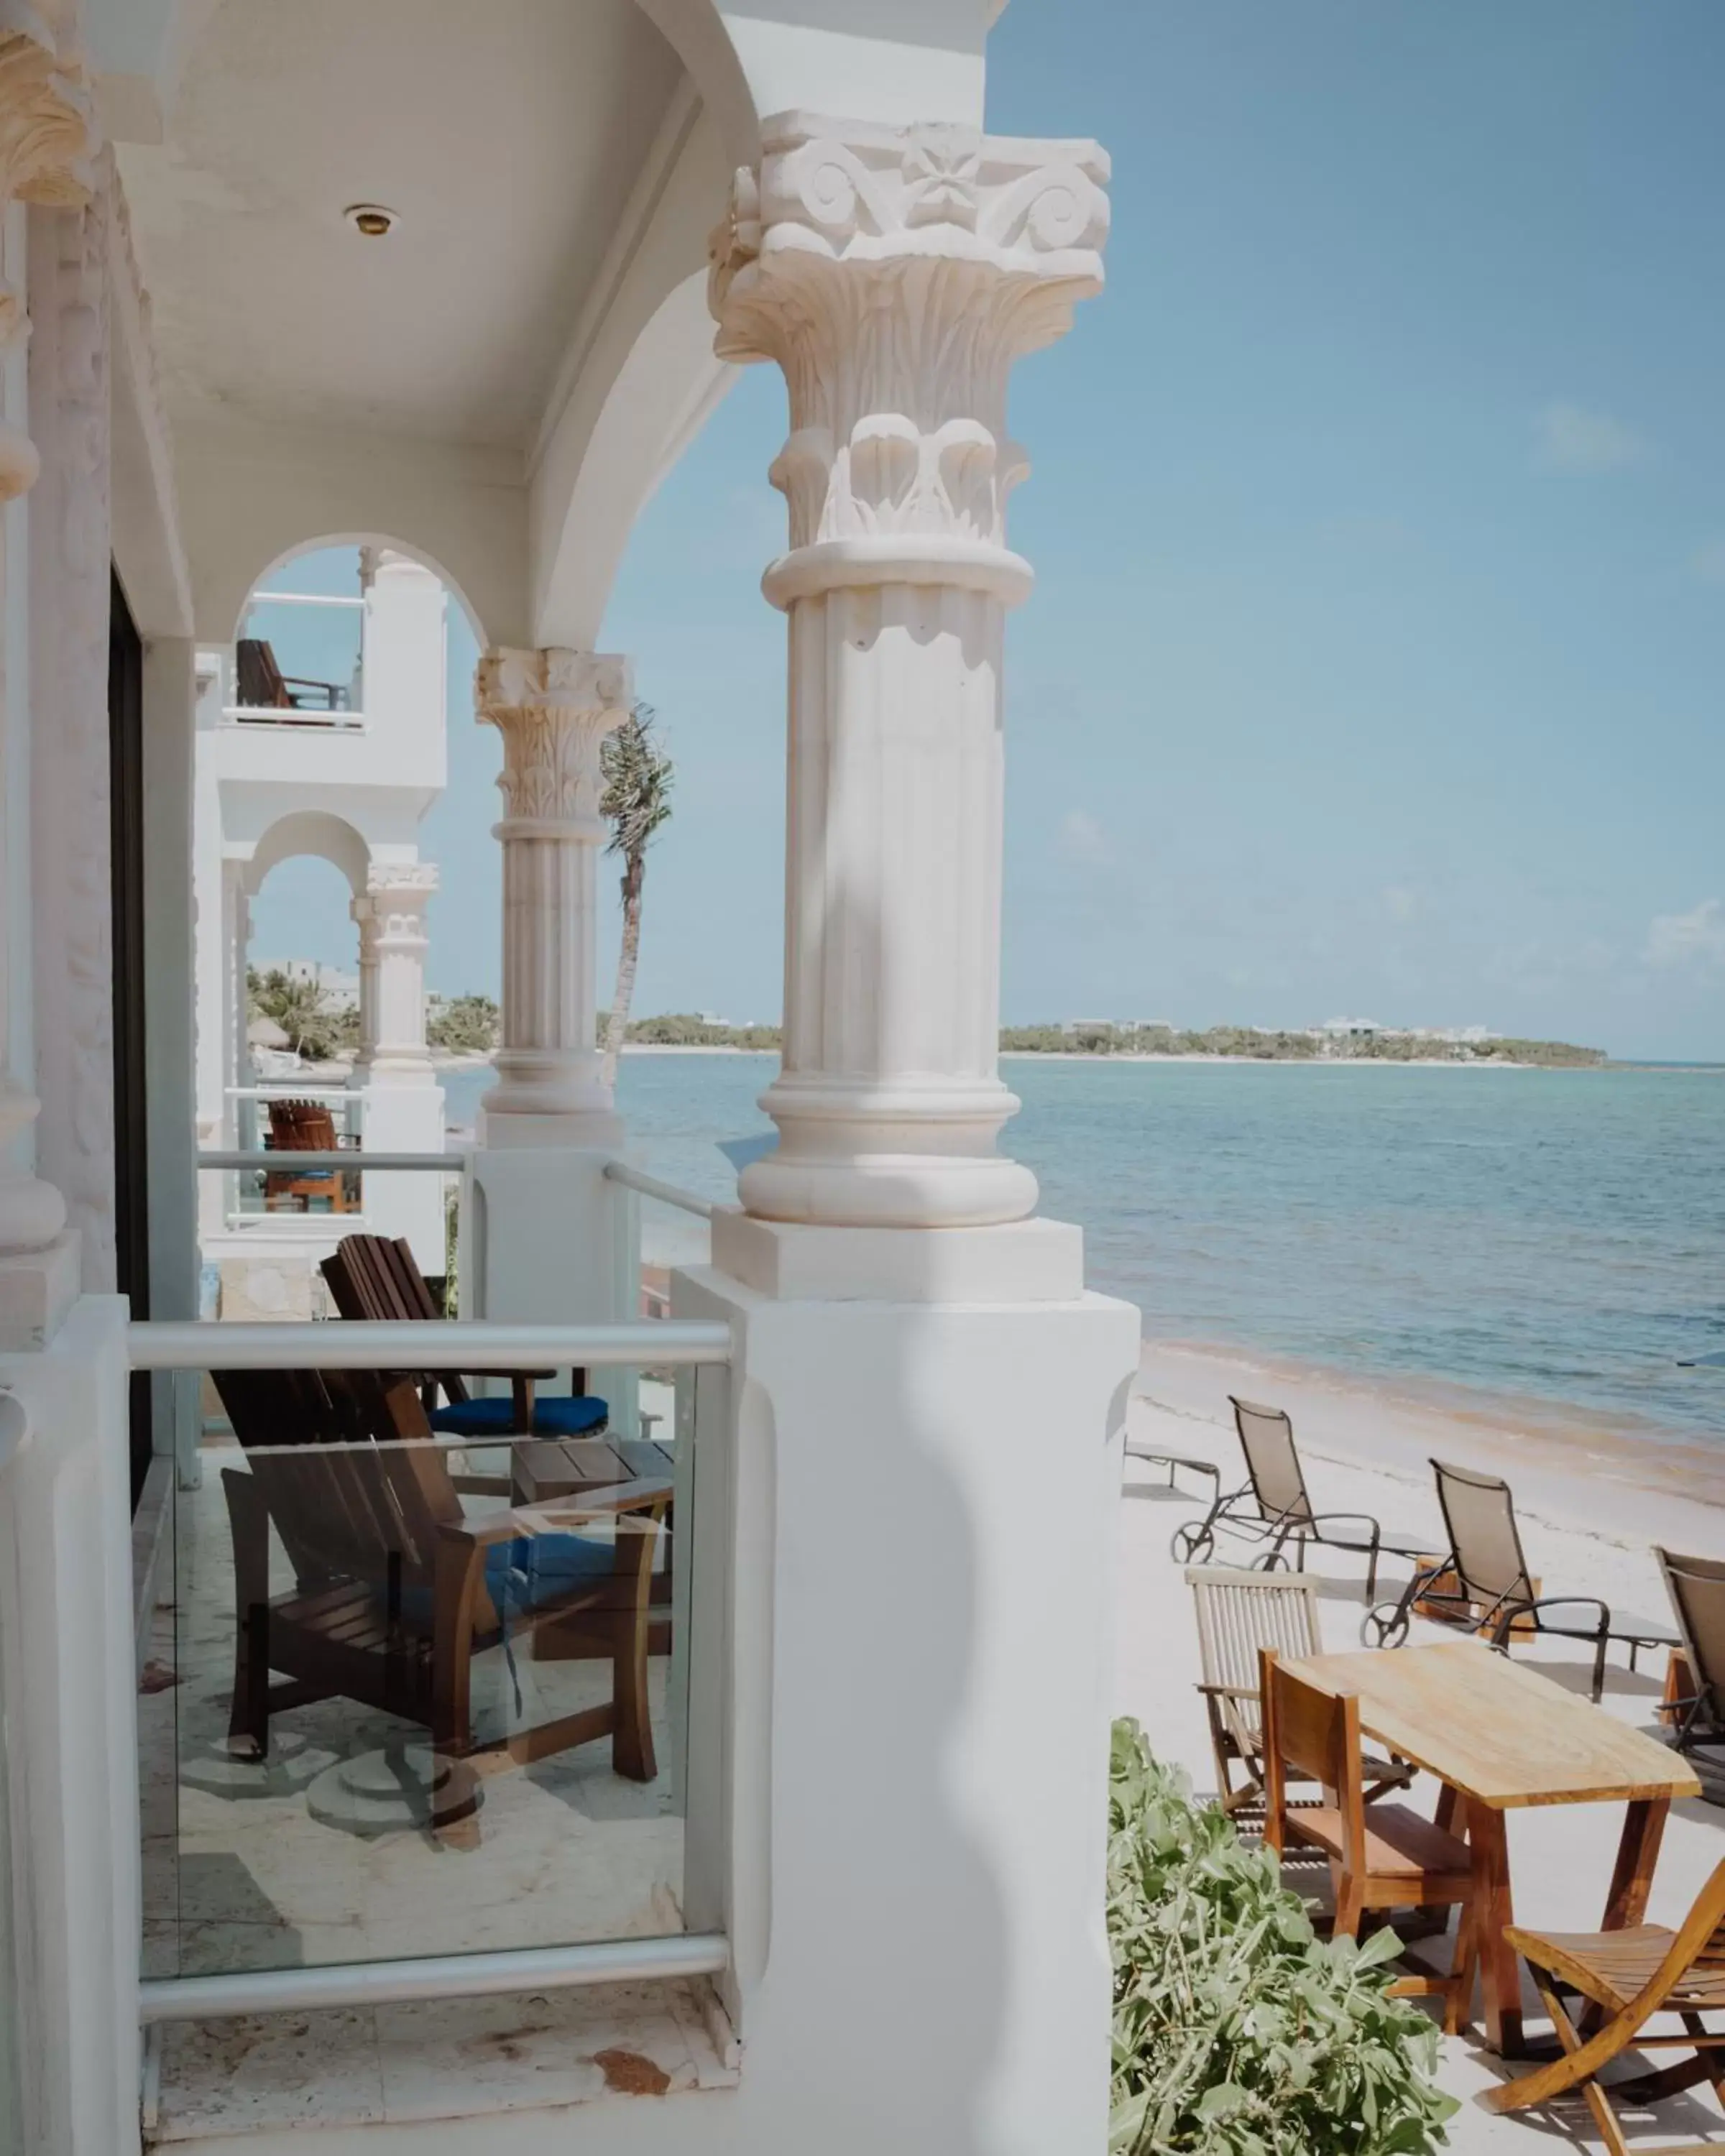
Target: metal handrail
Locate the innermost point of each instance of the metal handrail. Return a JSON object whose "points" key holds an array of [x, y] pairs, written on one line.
{"points": [[463, 1344], [668, 1194], [440, 1976], [352, 1162]]}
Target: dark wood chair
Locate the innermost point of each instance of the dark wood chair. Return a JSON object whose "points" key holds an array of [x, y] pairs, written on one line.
{"points": [[262, 685], [395, 1590], [306, 1126], [374, 1278]]}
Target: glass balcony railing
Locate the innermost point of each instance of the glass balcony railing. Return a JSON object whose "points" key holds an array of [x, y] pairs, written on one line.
{"points": [[12, 2140], [420, 1696]]}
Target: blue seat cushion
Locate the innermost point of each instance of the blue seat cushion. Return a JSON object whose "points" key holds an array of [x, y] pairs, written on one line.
{"points": [[519, 1575], [522, 1574], [557, 1415]]}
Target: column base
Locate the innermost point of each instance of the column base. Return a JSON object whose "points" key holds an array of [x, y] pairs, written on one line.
{"points": [[909, 1190], [37, 1289], [1019, 1261]]}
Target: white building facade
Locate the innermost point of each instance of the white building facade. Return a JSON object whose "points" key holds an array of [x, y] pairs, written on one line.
{"points": [[350, 786], [892, 1632]]}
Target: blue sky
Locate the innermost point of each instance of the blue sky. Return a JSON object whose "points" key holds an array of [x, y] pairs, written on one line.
{"points": [[1376, 663]]}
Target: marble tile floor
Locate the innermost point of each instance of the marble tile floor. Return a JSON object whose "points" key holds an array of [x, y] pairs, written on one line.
{"points": [[450, 2059], [286, 1864]]}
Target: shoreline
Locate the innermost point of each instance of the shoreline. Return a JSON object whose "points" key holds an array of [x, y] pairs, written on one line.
{"points": [[1567, 1466]]}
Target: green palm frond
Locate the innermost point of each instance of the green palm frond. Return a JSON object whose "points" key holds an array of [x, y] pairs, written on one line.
{"points": [[639, 778]]}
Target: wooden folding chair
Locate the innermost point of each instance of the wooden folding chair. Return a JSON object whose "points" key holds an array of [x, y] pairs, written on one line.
{"points": [[1388, 1858], [1626, 1978], [1238, 1614]]}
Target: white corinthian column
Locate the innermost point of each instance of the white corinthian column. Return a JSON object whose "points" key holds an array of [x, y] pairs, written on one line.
{"points": [[393, 944], [553, 709], [894, 275]]}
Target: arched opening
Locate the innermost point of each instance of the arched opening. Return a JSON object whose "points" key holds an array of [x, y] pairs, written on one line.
{"points": [[327, 732]]}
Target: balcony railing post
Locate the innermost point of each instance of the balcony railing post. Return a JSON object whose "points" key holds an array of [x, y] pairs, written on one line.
{"points": [[69, 1682]]}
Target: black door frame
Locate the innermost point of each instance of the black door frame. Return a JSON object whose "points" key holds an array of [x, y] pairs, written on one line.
{"points": [[131, 1175]]}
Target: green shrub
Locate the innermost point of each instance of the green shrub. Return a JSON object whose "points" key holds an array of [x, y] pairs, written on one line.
{"points": [[1237, 2032]]}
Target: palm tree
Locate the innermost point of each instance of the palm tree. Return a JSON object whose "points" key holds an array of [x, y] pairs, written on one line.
{"points": [[639, 778]]}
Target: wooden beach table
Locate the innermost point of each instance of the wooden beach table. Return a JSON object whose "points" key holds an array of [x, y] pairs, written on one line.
{"points": [[1501, 1737]]}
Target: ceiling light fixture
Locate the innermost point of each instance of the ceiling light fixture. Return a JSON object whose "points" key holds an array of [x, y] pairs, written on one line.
{"points": [[370, 218]]}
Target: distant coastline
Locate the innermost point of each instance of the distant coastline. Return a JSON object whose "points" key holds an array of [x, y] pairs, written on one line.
{"points": [[1343, 1042]]}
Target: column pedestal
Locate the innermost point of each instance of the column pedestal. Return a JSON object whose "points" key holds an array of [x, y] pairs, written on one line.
{"points": [[923, 1499]]}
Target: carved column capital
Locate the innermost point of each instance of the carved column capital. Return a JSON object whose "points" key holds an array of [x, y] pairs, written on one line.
{"points": [[895, 275], [48, 130], [553, 709], [393, 908]]}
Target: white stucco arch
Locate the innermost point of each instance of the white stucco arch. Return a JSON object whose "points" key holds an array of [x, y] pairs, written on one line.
{"points": [[384, 542], [251, 499], [314, 832], [653, 406]]}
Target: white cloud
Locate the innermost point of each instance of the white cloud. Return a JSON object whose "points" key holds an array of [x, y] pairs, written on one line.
{"points": [[1697, 938], [1081, 838], [1571, 438], [1708, 562]]}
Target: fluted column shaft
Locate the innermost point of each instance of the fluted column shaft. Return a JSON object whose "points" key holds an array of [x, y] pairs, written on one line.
{"points": [[553, 709], [46, 140], [894, 275], [393, 944]]}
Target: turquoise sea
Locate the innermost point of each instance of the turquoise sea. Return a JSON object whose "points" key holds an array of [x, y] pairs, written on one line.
{"points": [[1554, 1234]]}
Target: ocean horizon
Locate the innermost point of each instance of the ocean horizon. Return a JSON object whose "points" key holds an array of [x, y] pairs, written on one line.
{"points": [[1548, 1235]]}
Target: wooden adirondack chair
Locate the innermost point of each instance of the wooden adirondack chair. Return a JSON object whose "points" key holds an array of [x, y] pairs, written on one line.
{"points": [[1626, 1978], [395, 1590], [263, 687], [376, 1279], [305, 1127]]}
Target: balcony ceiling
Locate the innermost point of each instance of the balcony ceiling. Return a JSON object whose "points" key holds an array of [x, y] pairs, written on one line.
{"points": [[506, 136]]}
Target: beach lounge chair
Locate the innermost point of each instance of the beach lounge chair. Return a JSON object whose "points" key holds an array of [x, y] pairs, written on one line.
{"points": [[1696, 1706], [1240, 1614], [374, 1278], [1484, 1584], [1272, 1506], [396, 1590], [1388, 1857], [1627, 1978]]}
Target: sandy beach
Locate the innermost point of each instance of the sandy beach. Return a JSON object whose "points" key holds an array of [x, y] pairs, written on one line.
{"points": [[1591, 1508]]}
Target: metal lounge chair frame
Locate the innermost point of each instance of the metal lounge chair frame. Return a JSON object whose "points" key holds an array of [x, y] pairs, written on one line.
{"points": [[1625, 1978], [1273, 1506], [1696, 1588], [1487, 1590], [1240, 1614]]}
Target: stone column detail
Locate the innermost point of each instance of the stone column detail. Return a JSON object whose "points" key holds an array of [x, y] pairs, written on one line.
{"points": [[553, 709], [47, 141], [895, 275], [393, 944]]}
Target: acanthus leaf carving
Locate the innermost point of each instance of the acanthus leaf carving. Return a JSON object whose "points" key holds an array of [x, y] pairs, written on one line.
{"points": [[895, 275], [553, 708]]}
